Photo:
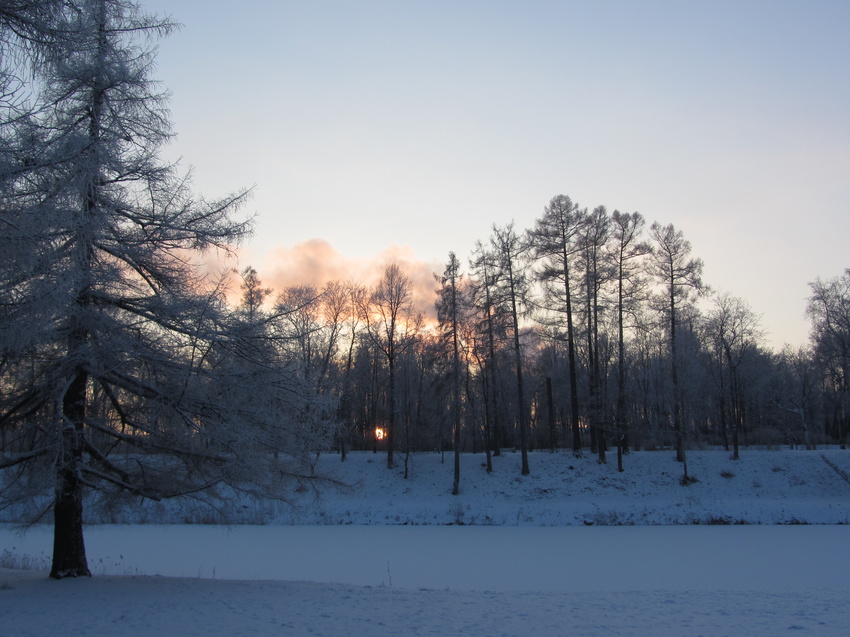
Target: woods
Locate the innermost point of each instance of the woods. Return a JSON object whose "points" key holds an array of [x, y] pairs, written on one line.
{"points": [[586, 331]]}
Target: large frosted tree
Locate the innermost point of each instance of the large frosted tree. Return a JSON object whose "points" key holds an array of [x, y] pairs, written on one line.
{"points": [[121, 369]]}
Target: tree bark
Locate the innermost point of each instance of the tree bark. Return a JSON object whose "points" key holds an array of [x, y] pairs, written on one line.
{"points": [[69, 551]]}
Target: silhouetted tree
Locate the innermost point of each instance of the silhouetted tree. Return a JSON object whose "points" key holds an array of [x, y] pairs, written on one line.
{"points": [[680, 275], [556, 239], [509, 251], [829, 310], [391, 323], [628, 252]]}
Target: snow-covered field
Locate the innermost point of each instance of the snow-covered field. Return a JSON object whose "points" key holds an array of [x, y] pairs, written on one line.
{"points": [[511, 555]]}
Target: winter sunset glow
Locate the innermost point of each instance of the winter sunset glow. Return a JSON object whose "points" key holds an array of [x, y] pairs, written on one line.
{"points": [[454, 264], [418, 126]]}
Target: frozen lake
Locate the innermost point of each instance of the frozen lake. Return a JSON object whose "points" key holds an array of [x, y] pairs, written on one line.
{"points": [[555, 559]]}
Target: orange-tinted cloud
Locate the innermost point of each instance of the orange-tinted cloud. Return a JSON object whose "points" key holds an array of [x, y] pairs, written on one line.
{"points": [[316, 262]]}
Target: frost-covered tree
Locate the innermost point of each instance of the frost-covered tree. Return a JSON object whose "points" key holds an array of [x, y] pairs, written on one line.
{"points": [[392, 325], [121, 368], [680, 276], [509, 251], [829, 310], [734, 330], [795, 391], [627, 254], [555, 239], [484, 275], [595, 235], [448, 314]]}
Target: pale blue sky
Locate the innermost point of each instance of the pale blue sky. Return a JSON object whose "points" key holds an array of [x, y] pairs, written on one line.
{"points": [[419, 124]]}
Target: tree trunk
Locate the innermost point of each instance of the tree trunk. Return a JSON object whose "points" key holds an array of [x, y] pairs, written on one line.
{"points": [[391, 419], [620, 416], [736, 414], [69, 551], [523, 420], [620, 453], [553, 440], [571, 357], [677, 408], [491, 342]]}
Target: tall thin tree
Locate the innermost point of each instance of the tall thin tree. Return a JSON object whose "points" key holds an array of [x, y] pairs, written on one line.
{"points": [[680, 275], [448, 313], [628, 251], [510, 250], [391, 324], [555, 239], [595, 234]]}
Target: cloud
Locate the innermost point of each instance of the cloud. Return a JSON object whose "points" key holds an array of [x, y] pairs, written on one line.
{"points": [[316, 262]]}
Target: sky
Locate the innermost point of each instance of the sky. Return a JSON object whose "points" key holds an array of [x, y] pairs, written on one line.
{"points": [[380, 131]]}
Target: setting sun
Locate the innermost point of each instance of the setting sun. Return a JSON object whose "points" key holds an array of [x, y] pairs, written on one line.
{"points": [[380, 433]]}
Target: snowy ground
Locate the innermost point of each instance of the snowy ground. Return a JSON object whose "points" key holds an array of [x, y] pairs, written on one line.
{"points": [[763, 487], [511, 555]]}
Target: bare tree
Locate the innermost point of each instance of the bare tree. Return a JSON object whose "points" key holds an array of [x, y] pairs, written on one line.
{"points": [[556, 239], [355, 299], [829, 310], [484, 273], [254, 295], [509, 250], [680, 275], [448, 313], [297, 314], [595, 233], [334, 309], [628, 252], [734, 327], [392, 324], [795, 390]]}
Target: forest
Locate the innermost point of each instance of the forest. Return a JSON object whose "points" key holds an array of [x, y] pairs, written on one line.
{"points": [[589, 331], [126, 366]]}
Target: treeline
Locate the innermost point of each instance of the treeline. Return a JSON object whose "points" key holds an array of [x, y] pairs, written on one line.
{"points": [[588, 331]]}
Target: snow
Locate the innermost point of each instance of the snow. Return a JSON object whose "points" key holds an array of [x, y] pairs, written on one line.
{"points": [[763, 487], [530, 558]]}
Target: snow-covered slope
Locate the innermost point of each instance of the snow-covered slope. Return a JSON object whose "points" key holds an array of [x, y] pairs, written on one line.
{"points": [[762, 487]]}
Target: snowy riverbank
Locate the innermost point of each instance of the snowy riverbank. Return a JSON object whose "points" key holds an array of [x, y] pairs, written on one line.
{"points": [[756, 546], [763, 487]]}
